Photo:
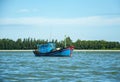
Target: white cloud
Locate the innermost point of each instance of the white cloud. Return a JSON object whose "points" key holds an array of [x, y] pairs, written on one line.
{"points": [[23, 11], [84, 21], [27, 10]]}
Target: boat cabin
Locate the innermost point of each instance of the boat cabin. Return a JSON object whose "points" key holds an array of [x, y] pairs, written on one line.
{"points": [[46, 48]]}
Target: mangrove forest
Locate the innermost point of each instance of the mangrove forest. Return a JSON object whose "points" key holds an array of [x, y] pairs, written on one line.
{"points": [[30, 43]]}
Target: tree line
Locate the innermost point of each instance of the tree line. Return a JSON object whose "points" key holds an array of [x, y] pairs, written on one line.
{"points": [[30, 43]]}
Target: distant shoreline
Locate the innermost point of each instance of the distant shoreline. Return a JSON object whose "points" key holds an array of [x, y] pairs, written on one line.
{"points": [[74, 50], [15, 50], [97, 50]]}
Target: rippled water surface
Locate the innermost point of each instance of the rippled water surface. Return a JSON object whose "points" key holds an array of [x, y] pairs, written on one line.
{"points": [[81, 67]]}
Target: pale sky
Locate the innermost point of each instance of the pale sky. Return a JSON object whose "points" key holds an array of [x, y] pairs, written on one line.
{"points": [[45, 19]]}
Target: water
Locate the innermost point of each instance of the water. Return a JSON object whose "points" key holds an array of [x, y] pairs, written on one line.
{"points": [[81, 67]]}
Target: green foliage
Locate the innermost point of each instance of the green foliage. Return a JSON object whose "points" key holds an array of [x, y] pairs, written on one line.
{"points": [[29, 43]]}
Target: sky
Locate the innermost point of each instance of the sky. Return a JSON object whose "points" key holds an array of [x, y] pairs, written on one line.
{"points": [[53, 19]]}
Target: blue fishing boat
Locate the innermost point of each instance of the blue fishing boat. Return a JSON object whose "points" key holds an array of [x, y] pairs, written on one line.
{"points": [[50, 49]]}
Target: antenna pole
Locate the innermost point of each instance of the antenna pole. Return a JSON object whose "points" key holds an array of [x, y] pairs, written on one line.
{"points": [[50, 39], [65, 41]]}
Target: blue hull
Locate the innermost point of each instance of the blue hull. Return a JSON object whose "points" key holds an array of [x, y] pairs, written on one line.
{"points": [[67, 52]]}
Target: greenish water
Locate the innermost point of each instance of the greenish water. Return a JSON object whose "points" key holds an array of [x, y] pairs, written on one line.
{"points": [[81, 67]]}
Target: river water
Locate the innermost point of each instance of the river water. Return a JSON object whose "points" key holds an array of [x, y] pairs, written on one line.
{"points": [[81, 67]]}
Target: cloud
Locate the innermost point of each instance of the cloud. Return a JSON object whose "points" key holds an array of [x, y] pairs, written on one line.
{"points": [[27, 10], [84, 21], [23, 11]]}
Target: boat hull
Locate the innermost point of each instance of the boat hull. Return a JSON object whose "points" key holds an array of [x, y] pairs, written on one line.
{"points": [[67, 52]]}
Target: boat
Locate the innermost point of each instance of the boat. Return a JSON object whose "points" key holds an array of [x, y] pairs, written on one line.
{"points": [[49, 49]]}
